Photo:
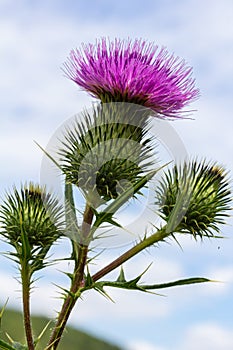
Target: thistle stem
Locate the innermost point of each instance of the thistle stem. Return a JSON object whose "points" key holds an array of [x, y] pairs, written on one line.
{"points": [[25, 277], [76, 284], [145, 243]]}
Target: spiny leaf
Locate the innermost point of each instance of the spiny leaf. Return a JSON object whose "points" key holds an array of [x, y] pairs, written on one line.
{"points": [[180, 207], [124, 197], [88, 280], [37, 340], [6, 346], [106, 217], [101, 290], [66, 292], [70, 212], [19, 346], [121, 277], [181, 282], [133, 284], [121, 282], [2, 311], [129, 285], [15, 345], [121, 199], [48, 155]]}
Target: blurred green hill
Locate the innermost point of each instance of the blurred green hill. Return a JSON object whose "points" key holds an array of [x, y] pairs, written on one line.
{"points": [[73, 339]]}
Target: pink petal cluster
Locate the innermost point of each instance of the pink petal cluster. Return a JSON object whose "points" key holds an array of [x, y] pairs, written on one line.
{"points": [[133, 71]]}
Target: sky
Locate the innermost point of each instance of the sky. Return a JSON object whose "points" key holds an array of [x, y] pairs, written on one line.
{"points": [[36, 98]]}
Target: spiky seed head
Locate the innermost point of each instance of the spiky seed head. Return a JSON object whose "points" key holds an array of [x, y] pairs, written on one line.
{"points": [[194, 197], [31, 213]]}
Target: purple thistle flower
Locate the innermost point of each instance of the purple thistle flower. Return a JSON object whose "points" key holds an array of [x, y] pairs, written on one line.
{"points": [[133, 71]]}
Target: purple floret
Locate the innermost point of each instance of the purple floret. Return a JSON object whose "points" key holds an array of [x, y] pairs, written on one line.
{"points": [[133, 71]]}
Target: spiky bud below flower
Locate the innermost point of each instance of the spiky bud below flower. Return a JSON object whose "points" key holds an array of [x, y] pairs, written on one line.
{"points": [[194, 198], [107, 149], [31, 213]]}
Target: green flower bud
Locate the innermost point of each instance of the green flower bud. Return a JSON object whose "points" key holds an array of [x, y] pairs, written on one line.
{"points": [[194, 198], [31, 215], [106, 149]]}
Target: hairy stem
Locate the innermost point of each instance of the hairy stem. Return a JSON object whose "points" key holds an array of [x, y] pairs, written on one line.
{"points": [[76, 284], [145, 243], [25, 277]]}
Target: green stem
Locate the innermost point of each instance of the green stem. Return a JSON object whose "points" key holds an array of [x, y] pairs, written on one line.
{"points": [[25, 276], [76, 284], [147, 242]]}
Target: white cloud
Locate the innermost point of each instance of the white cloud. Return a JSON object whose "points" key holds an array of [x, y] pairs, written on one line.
{"points": [[9, 289], [142, 345], [201, 336], [208, 336], [224, 280]]}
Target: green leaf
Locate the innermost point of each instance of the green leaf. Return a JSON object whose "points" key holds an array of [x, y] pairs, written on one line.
{"points": [[39, 263], [48, 155], [124, 197], [2, 311], [106, 217], [180, 207], [182, 282], [121, 199], [72, 229], [6, 346], [122, 283], [121, 277], [37, 340], [101, 290], [71, 218], [19, 346], [88, 280], [133, 284], [26, 254]]}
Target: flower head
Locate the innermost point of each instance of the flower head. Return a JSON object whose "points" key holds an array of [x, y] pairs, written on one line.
{"points": [[133, 71], [33, 215], [194, 198]]}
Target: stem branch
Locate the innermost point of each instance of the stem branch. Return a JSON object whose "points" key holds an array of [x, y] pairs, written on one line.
{"points": [[25, 277], [147, 242], [76, 284]]}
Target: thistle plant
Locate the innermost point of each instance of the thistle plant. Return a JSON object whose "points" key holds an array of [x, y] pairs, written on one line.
{"points": [[31, 222], [109, 156]]}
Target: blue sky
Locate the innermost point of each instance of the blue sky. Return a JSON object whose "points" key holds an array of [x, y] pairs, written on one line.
{"points": [[35, 39]]}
